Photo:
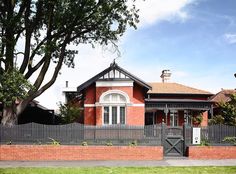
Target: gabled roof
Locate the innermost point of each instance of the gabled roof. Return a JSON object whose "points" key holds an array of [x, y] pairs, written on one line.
{"points": [[113, 66], [174, 88], [223, 96]]}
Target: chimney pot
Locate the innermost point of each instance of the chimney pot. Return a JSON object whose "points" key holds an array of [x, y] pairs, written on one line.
{"points": [[67, 84], [165, 75]]}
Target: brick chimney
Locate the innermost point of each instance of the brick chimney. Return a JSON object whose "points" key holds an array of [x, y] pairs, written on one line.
{"points": [[165, 75]]}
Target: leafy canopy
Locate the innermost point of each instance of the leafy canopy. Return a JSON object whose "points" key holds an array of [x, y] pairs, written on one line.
{"points": [[227, 112], [69, 113], [45, 28], [13, 86]]}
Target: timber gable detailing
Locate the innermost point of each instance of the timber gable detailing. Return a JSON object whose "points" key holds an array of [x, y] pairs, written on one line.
{"points": [[114, 73]]}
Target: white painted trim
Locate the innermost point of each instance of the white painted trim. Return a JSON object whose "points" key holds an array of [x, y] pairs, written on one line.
{"points": [[89, 105], [114, 92], [113, 104], [138, 105], [110, 114], [114, 83]]}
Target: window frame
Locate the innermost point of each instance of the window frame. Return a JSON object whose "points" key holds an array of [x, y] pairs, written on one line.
{"points": [[188, 116], [175, 115], [118, 120], [121, 100]]}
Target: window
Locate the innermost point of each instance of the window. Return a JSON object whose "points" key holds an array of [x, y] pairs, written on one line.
{"points": [[173, 118], [122, 115], [106, 115], [188, 117], [114, 110], [114, 115]]}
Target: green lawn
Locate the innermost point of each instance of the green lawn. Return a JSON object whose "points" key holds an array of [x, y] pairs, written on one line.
{"points": [[121, 170]]}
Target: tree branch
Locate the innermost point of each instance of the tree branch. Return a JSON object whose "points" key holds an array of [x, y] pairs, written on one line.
{"points": [[56, 71], [35, 68], [27, 39]]}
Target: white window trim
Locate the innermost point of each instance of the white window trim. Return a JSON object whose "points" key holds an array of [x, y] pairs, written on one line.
{"points": [[101, 101], [116, 104], [111, 104], [110, 114]]}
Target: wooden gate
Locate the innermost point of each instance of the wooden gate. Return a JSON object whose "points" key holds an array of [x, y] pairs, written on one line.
{"points": [[173, 141]]}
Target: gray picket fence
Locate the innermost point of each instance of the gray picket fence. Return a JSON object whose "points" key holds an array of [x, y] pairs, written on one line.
{"points": [[75, 133], [215, 134]]}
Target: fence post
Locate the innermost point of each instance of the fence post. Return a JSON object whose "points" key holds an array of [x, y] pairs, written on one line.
{"points": [[184, 137], [163, 132]]}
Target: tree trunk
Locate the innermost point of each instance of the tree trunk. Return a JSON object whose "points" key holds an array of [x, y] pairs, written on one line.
{"points": [[9, 115]]}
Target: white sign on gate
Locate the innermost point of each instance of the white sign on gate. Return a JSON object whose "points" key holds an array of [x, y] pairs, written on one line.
{"points": [[196, 135]]}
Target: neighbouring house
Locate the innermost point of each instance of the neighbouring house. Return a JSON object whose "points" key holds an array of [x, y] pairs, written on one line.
{"points": [[37, 113], [222, 96], [115, 96]]}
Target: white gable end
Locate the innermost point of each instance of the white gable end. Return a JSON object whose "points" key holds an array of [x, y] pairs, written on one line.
{"points": [[114, 74]]}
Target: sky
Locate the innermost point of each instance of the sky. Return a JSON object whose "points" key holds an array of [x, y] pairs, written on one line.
{"points": [[194, 39]]}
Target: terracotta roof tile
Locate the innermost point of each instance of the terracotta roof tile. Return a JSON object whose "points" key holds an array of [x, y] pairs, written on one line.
{"points": [[174, 88], [223, 96]]}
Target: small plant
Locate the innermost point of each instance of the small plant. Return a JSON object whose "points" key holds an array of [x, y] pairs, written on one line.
{"points": [[39, 142], [205, 142], [133, 143], [198, 119], [109, 143], [9, 143], [84, 143], [54, 142], [231, 140]]}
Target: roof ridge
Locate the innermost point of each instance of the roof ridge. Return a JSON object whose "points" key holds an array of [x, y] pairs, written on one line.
{"points": [[177, 88]]}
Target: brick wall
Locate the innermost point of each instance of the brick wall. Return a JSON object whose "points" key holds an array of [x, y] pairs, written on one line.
{"points": [[204, 118], [50, 152], [212, 152], [134, 114]]}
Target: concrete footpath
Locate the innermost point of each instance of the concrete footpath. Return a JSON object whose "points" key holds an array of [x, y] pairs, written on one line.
{"points": [[165, 162]]}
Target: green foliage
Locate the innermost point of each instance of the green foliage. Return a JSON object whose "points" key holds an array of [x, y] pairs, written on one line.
{"points": [[44, 29], [109, 143], [227, 112], [54, 142], [204, 142], [69, 113], [198, 119], [13, 86], [9, 143], [217, 119], [231, 140], [133, 143], [84, 143]]}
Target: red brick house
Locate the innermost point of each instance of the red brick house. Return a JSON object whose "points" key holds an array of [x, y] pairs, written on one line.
{"points": [[115, 96], [221, 97]]}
